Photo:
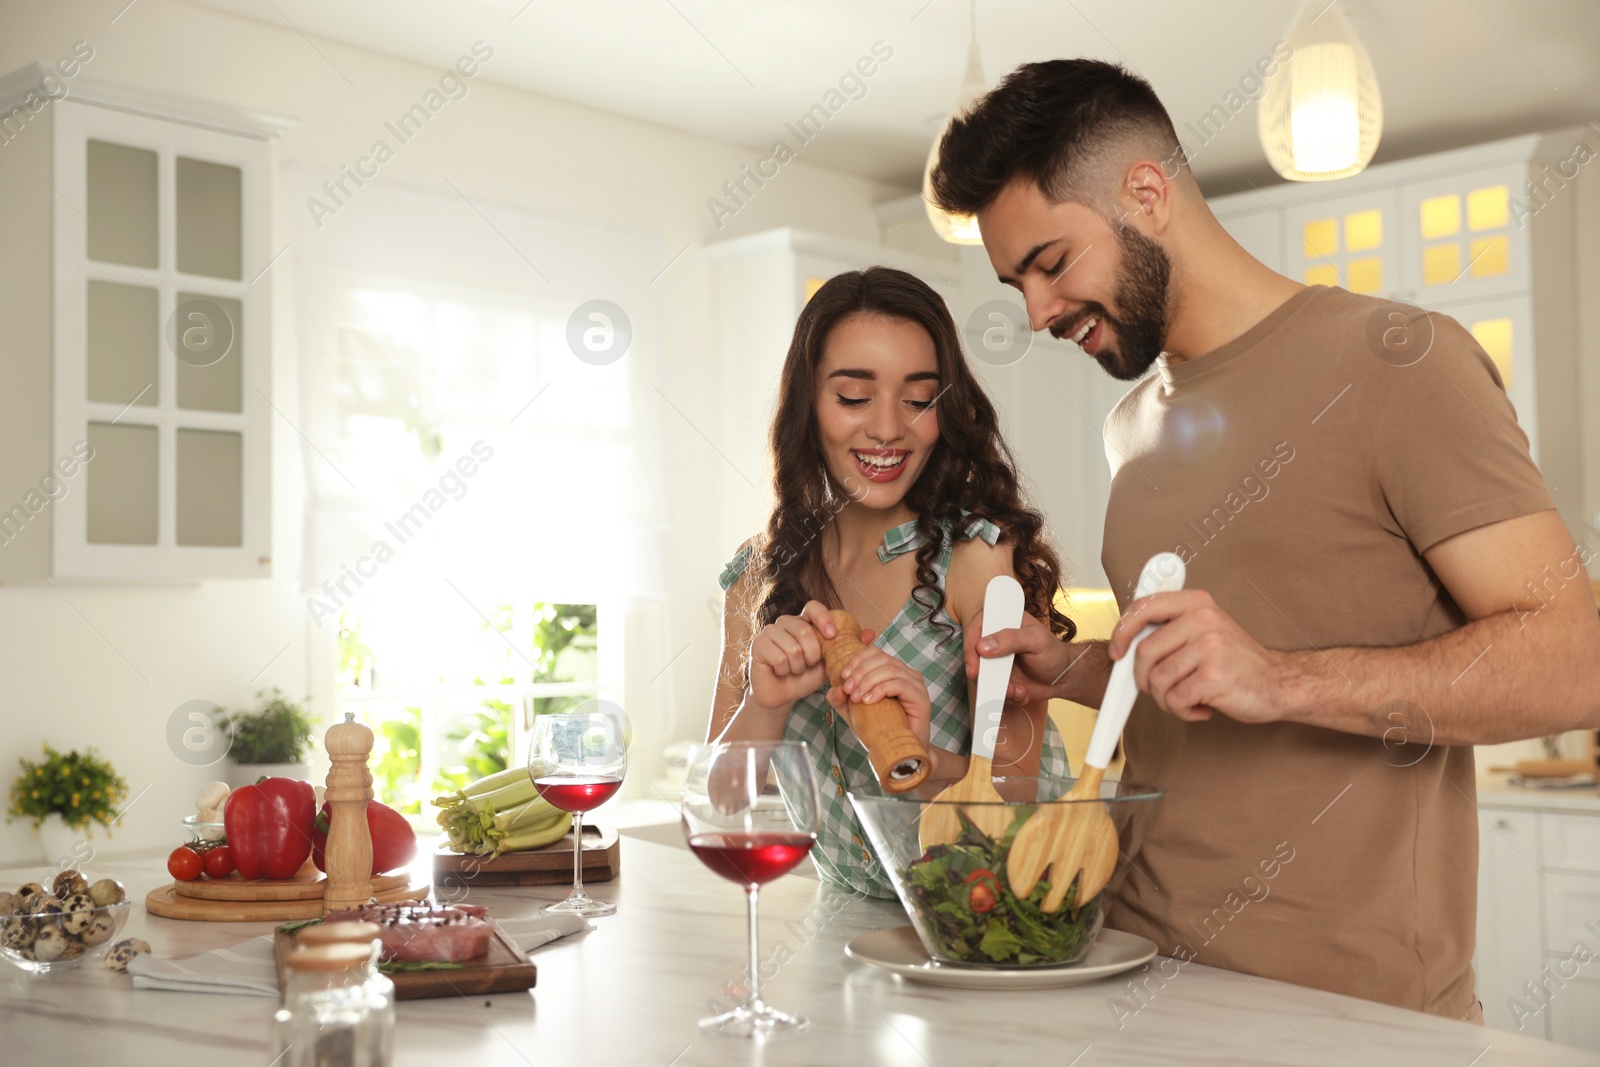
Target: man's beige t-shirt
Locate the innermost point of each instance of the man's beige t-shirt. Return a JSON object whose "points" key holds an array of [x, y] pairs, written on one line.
{"points": [[1300, 471]]}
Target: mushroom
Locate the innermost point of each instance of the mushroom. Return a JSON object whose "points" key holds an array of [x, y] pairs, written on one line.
{"points": [[107, 891], [123, 951], [212, 795], [68, 883], [101, 927]]}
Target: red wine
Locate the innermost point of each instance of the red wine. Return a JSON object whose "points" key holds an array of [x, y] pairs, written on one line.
{"points": [[578, 793], [752, 858]]}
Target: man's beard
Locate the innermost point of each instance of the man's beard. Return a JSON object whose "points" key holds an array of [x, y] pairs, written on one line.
{"points": [[1141, 297]]}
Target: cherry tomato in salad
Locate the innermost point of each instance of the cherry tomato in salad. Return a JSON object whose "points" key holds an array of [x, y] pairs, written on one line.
{"points": [[985, 891], [184, 864], [981, 899], [218, 862]]}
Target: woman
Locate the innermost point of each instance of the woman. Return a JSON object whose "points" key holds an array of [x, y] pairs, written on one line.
{"points": [[897, 500]]}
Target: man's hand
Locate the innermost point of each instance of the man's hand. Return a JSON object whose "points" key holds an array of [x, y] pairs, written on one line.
{"points": [[1042, 662], [1200, 661]]}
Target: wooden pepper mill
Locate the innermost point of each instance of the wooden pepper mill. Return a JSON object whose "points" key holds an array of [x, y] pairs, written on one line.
{"points": [[349, 851], [897, 757]]}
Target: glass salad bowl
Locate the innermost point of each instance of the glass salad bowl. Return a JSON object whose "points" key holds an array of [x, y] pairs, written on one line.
{"points": [[959, 896]]}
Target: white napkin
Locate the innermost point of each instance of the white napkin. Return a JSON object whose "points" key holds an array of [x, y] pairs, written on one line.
{"points": [[250, 969]]}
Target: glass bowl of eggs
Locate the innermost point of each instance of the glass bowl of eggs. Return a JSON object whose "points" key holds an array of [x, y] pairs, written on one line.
{"points": [[61, 919]]}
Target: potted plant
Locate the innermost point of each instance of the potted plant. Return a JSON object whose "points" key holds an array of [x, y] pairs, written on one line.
{"points": [[272, 740], [64, 794]]}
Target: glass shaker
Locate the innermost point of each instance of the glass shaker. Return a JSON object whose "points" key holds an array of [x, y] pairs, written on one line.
{"points": [[324, 1018], [377, 986]]}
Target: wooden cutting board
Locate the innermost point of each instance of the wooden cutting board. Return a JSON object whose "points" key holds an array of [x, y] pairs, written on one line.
{"points": [[551, 865], [505, 968], [308, 884], [166, 902]]}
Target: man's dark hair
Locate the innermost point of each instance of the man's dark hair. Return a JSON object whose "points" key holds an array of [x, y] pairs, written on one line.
{"points": [[1072, 126]]}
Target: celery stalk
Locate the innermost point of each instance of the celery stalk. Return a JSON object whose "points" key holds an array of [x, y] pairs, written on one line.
{"points": [[469, 815], [537, 836]]}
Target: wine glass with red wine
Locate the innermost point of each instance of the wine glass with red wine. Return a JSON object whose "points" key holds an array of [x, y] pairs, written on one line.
{"points": [[751, 813], [577, 761]]}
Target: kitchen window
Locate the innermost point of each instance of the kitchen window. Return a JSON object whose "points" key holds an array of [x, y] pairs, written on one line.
{"points": [[454, 704], [476, 493]]}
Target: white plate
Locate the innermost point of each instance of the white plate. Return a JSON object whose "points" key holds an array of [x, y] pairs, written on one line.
{"points": [[900, 950]]}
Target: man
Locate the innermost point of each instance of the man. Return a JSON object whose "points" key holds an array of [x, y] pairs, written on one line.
{"points": [[1377, 578]]}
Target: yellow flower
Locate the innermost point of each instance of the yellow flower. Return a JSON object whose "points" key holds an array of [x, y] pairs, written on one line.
{"points": [[74, 800], [83, 781], [35, 794], [38, 772]]}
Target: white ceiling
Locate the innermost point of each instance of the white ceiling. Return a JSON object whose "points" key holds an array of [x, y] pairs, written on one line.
{"points": [[1452, 72]]}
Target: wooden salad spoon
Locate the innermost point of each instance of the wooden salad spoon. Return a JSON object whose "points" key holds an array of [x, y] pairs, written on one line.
{"points": [[1069, 837], [1002, 610]]}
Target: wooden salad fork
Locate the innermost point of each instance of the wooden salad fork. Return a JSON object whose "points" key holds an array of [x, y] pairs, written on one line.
{"points": [[1073, 837]]}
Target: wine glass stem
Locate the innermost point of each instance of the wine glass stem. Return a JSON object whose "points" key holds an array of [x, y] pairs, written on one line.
{"points": [[577, 854], [755, 956]]}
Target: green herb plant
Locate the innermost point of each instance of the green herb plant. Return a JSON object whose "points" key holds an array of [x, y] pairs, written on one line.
{"points": [[80, 787], [965, 902], [279, 731]]}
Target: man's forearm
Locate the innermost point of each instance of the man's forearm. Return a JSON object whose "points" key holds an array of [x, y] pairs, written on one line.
{"points": [[1087, 672], [1502, 678]]}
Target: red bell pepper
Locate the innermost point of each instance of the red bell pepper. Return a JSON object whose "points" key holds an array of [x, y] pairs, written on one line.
{"points": [[269, 827], [394, 843]]}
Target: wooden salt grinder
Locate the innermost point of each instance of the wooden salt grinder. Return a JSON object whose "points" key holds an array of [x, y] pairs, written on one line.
{"points": [[897, 757], [349, 851]]}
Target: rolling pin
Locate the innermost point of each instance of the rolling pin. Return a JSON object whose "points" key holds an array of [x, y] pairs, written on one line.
{"points": [[897, 757]]}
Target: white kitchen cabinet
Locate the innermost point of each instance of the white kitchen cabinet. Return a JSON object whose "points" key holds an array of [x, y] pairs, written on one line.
{"points": [[762, 281], [1351, 241], [1462, 237], [1510, 946], [1257, 226], [1538, 900], [1484, 234], [1571, 902], [1571, 843], [136, 297], [1575, 1010]]}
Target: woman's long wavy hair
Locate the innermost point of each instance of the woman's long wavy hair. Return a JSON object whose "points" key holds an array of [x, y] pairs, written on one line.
{"points": [[969, 469]]}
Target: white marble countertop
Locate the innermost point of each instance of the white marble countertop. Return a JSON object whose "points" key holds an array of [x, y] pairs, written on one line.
{"points": [[1496, 791], [630, 991]]}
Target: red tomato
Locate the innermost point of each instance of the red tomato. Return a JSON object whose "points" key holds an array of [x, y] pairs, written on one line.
{"points": [[985, 891], [184, 864], [218, 862]]}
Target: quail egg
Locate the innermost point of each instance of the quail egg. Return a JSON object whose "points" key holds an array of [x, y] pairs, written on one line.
{"points": [[123, 951]]}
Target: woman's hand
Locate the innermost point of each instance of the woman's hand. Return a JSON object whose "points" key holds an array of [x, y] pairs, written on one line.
{"points": [[873, 675], [786, 657]]}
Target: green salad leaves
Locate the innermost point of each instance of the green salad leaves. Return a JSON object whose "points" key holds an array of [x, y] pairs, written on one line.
{"points": [[967, 906]]}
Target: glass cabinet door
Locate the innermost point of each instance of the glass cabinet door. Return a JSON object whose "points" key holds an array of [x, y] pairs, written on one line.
{"points": [[159, 332], [1467, 236], [1349, 241]]}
